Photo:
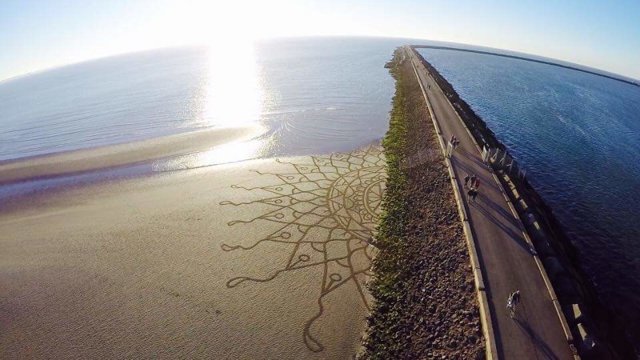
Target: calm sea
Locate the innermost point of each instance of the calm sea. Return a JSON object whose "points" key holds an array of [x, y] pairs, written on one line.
{"points": [[578, 136], [311, 95]]}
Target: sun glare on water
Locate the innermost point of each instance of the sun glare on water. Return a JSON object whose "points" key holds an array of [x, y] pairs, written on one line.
{"points": [[233, 93], [234, 97]]}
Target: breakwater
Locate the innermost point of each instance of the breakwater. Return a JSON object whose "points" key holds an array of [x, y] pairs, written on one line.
{"points": [[425, 303], [553, 245]]}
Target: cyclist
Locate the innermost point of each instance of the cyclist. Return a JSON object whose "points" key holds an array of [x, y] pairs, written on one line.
{"points": [[512, 302]]}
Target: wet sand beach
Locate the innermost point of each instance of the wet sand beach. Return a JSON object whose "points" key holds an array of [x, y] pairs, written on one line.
{"points": [[73, 162], [258, 259]]}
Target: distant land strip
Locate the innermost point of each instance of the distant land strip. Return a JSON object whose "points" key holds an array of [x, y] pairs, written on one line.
{"points": [[528, 59]]}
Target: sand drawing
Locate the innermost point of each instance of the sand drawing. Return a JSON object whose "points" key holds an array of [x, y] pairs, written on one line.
{"points": [[326, 209]]}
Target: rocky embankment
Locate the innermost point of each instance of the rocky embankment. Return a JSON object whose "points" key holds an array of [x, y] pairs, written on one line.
{"points": [[425, 301]]}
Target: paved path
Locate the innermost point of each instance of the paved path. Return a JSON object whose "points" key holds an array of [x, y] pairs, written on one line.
{"points": [[504, 255]]}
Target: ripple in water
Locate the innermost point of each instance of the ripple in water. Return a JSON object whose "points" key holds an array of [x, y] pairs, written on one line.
{"points": [[313, 95]]}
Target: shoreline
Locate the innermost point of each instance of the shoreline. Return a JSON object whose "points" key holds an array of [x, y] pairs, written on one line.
{"points": [[550, 240], [80, 161]]}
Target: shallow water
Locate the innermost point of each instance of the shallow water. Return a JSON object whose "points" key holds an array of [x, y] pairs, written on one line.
{"points": [[578, 136], [310, 95]]}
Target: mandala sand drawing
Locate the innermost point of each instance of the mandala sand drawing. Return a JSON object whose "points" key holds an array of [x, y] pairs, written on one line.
{"points": [[326, 209]]}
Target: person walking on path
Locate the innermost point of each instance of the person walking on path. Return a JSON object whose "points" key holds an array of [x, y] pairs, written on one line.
{"points": [[470, 195], [512, 302], [474, 194], [454, 144], [466, 180], [472, 180], [476, 185], [453, 141]]}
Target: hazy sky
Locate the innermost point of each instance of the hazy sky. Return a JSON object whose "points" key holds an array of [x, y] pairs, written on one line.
{"points": [[40, 34]]}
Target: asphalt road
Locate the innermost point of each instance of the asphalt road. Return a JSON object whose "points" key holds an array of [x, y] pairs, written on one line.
{"points": [[504, 255]]}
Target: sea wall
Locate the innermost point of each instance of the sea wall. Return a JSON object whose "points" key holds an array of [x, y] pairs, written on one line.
{"points": [[589, 320]]}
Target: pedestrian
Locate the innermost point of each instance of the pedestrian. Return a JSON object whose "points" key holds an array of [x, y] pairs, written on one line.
{"points": [[473, 180], [466, 180], [454, 144], [476, 185], [451, 145], [473, 196], [512, 301], [470, 195]]}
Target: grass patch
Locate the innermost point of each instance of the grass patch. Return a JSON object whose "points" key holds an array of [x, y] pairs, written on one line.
{"points": [[425, 303], [388, 264]]}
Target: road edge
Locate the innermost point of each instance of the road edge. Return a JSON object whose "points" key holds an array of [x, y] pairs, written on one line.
{"points": [[485, 314], [543, 273]]}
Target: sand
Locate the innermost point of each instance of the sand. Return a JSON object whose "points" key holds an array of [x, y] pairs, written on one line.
{"points": [[72, 162], [217, 262]]}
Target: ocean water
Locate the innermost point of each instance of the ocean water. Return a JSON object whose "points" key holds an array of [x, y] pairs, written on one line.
{"points": [[107, 101], [310, 96], [578, 136]]}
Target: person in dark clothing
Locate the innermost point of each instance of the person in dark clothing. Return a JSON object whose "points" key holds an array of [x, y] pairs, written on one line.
{"points": [[471, 195], [512, 301]]}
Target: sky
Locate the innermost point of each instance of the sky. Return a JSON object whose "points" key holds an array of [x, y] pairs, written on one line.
{"points": [[36, 35]]}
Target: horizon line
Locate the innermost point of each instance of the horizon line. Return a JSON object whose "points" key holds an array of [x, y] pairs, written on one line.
{"points": [[521, 55]]}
